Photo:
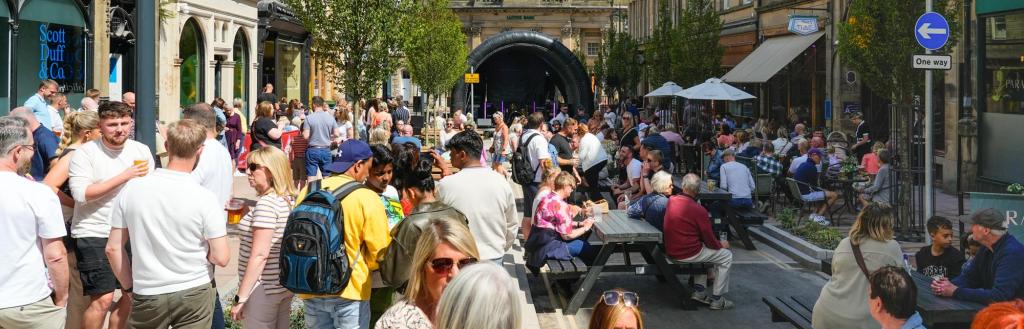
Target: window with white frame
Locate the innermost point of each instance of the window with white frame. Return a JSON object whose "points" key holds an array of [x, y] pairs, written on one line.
{"points": [[592, 48]]}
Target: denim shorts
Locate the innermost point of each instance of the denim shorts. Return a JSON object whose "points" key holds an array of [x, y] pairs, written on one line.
{"points": [[813, 196]]}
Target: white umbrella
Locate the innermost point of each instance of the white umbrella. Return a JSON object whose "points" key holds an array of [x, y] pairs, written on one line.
{"points": [[668, 89], [716, 90]]}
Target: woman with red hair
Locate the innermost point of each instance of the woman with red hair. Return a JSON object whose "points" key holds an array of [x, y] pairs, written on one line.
{"points": [[1004, 315]]}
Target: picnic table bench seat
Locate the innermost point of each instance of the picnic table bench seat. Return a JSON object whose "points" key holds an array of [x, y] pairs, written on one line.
{"points": [[565, 269], [792, 309], [751, 216]]}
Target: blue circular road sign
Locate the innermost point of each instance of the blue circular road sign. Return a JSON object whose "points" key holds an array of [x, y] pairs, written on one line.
{"points": [[931, 31]]}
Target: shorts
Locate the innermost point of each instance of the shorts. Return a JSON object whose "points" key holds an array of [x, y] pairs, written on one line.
{"points": [[93, 266], [813, 196], [498, 158], [299, 168]]}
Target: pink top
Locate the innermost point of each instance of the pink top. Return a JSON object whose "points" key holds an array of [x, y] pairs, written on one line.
{"points": [[553, 213], [725, 140], [870, 163]]}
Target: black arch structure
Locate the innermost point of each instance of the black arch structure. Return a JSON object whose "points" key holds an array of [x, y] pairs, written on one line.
{"points": [[553, 52]]}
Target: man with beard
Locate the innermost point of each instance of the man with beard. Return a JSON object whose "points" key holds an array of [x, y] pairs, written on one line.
{"points": [[98, 171], [31, 233], [45, 143]]}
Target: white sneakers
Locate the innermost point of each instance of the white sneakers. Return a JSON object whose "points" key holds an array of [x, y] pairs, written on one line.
{"points": [[820, 219]]}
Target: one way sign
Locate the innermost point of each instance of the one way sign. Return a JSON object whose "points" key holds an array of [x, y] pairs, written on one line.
{"points": [[931, 31], [932, 62]]}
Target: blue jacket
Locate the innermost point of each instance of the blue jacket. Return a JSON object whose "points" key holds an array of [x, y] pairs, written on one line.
{"points": [[995, 275]]}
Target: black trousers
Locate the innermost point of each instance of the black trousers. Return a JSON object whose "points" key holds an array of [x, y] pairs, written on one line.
{"points": [[593, 176]]}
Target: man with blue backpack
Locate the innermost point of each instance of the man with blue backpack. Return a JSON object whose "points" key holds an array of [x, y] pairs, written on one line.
{"points": [[333, 240]]}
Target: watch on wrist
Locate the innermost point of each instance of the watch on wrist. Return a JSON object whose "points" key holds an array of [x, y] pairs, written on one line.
{"points": [[240, 300], [128, 290]]}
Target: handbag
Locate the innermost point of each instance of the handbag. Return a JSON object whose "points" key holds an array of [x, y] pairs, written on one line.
{"points": [[860, 260]]}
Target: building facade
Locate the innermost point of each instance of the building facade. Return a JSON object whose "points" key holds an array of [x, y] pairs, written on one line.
{"points": [[206, 52], [44, 39]]}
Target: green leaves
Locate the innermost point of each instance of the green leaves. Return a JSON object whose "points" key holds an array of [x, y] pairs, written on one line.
{"points": [[687, 52], [435, 47], [358, 40], [876, 39], [621, 64]]}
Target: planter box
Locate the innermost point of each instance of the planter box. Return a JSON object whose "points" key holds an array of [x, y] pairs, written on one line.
{"points": [[805, 253]]}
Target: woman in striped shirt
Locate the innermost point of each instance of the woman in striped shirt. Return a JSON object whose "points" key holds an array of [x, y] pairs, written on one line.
{"points": [[261, 301]]}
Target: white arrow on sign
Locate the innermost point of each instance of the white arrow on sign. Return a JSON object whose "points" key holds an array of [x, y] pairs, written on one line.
{"points": [[926, 31]]}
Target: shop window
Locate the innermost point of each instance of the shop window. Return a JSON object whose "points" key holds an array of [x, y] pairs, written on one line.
{"points": [[240, 55], [1003, 75], [190, 50], [50, 45], [289, 68]]}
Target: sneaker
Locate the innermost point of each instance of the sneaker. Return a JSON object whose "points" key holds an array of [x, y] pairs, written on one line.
{"points": [[701, 297], [820, 220], [721, 304]]}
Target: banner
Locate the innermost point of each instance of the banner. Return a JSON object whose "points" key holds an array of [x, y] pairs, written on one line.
{"points": [[1012, 205]]}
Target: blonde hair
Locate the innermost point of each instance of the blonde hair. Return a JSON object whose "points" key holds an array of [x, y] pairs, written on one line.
{"points": [[877, 146], [278, 167], [605, 316], [76, 123], [481, 296], [184, 138], [564, 179], [438, 230], [379, 136], [264, 110], [548, 176], [874, 222], [582, 130]]}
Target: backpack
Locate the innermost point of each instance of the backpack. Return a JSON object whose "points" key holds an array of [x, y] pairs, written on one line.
{"points": [[313, 256], [522, 172]]}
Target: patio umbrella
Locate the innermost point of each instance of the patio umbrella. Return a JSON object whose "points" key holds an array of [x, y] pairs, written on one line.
{"points": [[666, 90], [716, 90]]}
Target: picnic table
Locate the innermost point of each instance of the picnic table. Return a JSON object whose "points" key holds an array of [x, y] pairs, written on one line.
{"points": [[616, 231], [938, 311], [724, 196]]}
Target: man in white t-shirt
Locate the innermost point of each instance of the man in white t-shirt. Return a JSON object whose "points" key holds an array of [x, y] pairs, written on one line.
{"points": [[540, 159], [31, 244], [177, 229], [214, 170], [491, 210], [803, 145], [631, 186], [98, 171]]}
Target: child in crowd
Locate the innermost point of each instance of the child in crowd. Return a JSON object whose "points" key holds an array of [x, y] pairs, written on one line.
{"points": [[971, 250], [940, 258]]}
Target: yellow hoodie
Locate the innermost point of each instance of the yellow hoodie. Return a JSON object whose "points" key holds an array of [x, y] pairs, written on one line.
{"points": [[366, 229]]}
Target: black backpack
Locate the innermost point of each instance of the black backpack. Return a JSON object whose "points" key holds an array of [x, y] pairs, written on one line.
{"points": [[522, 172], [313, 255]]}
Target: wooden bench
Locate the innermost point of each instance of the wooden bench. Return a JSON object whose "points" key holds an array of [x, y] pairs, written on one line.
{"points": [[566, 269], [795, 310], [751, 216], [826, 266]]}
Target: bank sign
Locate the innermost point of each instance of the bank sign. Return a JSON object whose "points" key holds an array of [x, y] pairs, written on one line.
{"points": [[1012, 206], [62, 56]]}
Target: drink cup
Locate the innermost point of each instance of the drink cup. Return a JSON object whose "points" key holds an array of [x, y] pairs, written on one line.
{"points": [[711, 185], [723, 236], [141, 161], [234, 208]]}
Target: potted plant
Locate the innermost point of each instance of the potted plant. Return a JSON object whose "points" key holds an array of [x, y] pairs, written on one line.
{"points": [[1015, 188]]}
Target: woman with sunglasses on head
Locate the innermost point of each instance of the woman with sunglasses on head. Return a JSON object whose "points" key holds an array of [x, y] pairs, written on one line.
{"points": [[79, 128], [261, 302], [554, 235], [483, 296], [445, 248], [617, 309]]}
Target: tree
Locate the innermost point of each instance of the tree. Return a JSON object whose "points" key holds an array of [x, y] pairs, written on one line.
{"points": [[435, 47], [356, 41], [659, 49], [621, 67], [876, 41], [696, 53]]}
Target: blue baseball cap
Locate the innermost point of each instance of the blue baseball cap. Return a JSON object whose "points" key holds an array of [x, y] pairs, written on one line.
{"points": [[816, 151], [352, 151]]}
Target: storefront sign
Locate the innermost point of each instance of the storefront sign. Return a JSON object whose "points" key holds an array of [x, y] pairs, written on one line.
{"points": [[1007, 84], [932, 62], [803, 25], [1011, 205], [62, 57]]}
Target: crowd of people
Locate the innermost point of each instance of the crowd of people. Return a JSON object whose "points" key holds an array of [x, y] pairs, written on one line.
{"points": [[136, 239]]}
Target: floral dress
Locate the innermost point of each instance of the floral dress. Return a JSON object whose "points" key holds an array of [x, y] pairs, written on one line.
{"points": [[403, 315]]}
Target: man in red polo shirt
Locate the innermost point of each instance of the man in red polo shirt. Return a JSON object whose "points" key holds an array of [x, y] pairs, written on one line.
{"points": [[689, 239]]}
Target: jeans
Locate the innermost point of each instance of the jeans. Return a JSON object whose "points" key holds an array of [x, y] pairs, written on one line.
{"points": [[218, 314], [337, 313], [316, 159]]}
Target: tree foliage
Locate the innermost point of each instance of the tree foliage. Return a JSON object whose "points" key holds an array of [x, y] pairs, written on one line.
{"points": [[621, 66], [435, 47], [659, 49], [877, 41], [356, 41], [697, 54]]}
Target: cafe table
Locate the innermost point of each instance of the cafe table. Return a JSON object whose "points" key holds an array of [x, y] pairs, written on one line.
{"points": [[942, 312], [723, 196]]}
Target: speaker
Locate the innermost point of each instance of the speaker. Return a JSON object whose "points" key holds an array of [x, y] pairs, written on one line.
{"points": [[417, 104]]}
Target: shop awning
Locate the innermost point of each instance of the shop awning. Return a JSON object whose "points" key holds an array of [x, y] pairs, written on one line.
{"points": [[770, 57]]}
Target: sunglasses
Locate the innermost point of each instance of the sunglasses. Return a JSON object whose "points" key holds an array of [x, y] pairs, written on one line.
{"points": [[253, 167], [612, 297], [444, 265]]}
